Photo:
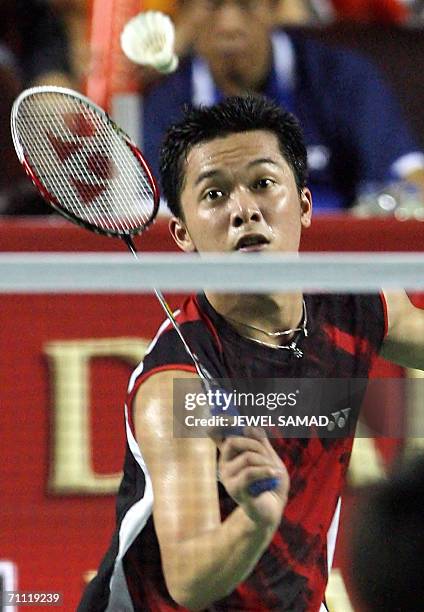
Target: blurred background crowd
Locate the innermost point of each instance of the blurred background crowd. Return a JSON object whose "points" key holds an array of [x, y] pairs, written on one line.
{"points": [[349, 69]]}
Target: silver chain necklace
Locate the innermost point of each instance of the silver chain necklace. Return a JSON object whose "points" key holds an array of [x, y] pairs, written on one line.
{"points": [[297, 352]]}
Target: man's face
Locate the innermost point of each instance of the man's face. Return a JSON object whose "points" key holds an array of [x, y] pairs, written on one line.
{"points": [[234, 39], [240, 195]]}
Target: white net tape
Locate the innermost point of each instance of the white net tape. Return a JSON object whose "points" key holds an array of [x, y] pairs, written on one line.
{"points": [[103, 272]]}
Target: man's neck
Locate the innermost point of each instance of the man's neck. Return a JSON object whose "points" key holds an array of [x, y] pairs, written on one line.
{"points": [[270, 313], [232, 82]]}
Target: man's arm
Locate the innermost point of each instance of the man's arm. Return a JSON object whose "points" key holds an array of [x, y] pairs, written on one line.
{"points": [[404, 343], [203, 558]]}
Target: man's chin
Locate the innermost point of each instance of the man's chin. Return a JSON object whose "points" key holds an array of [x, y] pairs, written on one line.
{"points": [[236, 70]]}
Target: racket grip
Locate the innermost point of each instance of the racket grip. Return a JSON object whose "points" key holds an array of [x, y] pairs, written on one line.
{"points": [[260, 486]]}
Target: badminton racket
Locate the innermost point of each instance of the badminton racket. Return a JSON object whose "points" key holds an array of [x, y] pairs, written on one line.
{"points": [[90, 171]]}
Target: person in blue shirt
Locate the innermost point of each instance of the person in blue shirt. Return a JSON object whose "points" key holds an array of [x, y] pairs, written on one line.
{"points": [[354, 129]]}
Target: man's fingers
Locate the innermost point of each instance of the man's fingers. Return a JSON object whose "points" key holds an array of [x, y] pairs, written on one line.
{"points": [[244, 461], [240, 483], [256, 433], [259, 434], [234, 445]]}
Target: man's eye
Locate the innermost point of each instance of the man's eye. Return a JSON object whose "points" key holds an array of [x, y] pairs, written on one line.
{"points": [[214, 194], [263, 183]]}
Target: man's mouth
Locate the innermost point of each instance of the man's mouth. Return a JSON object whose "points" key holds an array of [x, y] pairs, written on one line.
{"points": [[251, 243]]}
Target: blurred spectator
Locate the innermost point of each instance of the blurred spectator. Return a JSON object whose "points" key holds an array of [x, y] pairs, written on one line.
{"points": [[74, 15], [354, 129], [34, 50], [10, 167], [17, 195], [363, 11], [294, 12], [36, 35], [388, 543], [184, 14]]}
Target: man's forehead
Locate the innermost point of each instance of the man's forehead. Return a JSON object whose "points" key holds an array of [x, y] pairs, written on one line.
{"points": [[239, 147]]}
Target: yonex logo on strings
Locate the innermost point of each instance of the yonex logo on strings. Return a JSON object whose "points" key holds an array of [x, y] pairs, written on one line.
{"points": [[340, 418], [99, 165]]}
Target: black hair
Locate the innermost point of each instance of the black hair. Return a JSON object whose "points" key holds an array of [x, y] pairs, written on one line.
{"points": [[388, 543], [233, 115]]}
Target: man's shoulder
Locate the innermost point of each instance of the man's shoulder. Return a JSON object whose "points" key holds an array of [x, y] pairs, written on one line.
{"points": [[320, 55], [349, 304], [167, 354], [174, 89], [357, 314], [167, 348]]}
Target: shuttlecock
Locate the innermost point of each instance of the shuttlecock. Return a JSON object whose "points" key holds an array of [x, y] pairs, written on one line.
{"points": [[148, 39]]}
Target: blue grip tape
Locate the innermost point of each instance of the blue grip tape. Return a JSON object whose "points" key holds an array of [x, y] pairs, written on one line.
{"points": [[260, 486]]}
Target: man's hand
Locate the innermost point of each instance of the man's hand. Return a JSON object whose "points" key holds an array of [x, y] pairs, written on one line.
{"points": [[248, 459]]}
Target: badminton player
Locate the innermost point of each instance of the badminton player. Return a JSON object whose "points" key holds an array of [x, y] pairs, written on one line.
{"points": [[189, 534]]}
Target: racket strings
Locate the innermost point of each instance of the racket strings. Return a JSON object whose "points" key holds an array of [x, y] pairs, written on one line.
{"points": [[56, 179], [88, 188], [84, 162]]}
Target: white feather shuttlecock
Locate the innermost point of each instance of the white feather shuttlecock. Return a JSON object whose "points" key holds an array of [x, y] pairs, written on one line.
{"points": [[148, 39]]}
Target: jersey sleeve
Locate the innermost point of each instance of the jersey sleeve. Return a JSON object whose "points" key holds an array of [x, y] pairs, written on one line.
{"points": [[167, 352], [371, 317]]}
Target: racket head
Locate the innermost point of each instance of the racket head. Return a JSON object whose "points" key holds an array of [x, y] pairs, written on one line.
{"points": [[83, 164]]}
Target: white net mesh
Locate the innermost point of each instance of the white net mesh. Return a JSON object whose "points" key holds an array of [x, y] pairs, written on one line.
{"points": [[84, 162]]}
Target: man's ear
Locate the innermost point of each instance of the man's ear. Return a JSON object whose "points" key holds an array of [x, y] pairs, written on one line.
{"points": [[180, 234], [306, 207]]}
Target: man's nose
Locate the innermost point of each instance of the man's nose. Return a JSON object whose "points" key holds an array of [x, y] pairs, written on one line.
{"points": [[245, 211], [228, 17]]}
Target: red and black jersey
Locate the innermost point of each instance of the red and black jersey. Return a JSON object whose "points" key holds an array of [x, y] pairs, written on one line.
{"points": [[345, 333]]}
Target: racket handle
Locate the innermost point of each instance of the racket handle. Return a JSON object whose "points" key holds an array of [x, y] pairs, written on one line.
{"points": [[260, 486]]}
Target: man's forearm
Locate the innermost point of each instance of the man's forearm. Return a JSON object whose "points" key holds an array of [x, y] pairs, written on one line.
{"points": [[404, 343], [409, 355], [407, 348], [208, 567]]}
